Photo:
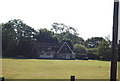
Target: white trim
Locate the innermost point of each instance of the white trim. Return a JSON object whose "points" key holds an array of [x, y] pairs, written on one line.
{"points": [[60, 48], [67, 46]]}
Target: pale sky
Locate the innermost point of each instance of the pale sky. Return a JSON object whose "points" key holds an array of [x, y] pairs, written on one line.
{"points": [[92, 18]]}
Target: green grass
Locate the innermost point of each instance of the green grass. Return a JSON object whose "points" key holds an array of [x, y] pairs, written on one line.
{"points": [[55, 69]]}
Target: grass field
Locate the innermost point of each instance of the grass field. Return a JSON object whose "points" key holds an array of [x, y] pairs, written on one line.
{"points": [[55, 69]]}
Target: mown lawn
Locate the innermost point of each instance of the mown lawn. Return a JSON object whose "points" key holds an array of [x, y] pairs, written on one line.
{"points": [[55, 69]]}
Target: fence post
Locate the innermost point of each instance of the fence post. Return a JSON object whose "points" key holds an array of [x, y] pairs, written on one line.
{"points": [[2, 79], [72, 78]]}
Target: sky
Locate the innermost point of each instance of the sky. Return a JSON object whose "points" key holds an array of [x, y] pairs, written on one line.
{"points": [[92, 18]]}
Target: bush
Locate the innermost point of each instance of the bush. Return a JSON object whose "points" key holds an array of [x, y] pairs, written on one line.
{"points": [[79, 48]]}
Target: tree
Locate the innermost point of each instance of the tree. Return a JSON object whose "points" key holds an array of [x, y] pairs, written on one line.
{"points": [[92, 53], [93, 42], [104, 50], [79, 48], [68, 36], [25, 38], [64, 32], [60, 28], [18, 38], [8, 40], [44, 35]]}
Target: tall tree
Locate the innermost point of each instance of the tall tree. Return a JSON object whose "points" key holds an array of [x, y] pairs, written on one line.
{"points": [[64, 32], [44, 35], [17, 38], [60, 28], [8, 40]]}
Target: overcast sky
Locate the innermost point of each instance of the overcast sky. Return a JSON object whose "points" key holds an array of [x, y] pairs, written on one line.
{"points": [[92, 18]]}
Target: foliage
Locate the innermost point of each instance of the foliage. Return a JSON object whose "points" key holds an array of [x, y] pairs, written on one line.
{"points": [[64, 32], [92, 51], [68, 36], [45, 35], [104, 50], [79, 48], [99, 47], [8, 40], [18, 38], [93, 42], [60, 28]]}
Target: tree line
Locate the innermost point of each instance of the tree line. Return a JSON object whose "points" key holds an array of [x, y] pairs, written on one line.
{"points": [[18, 39]]}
